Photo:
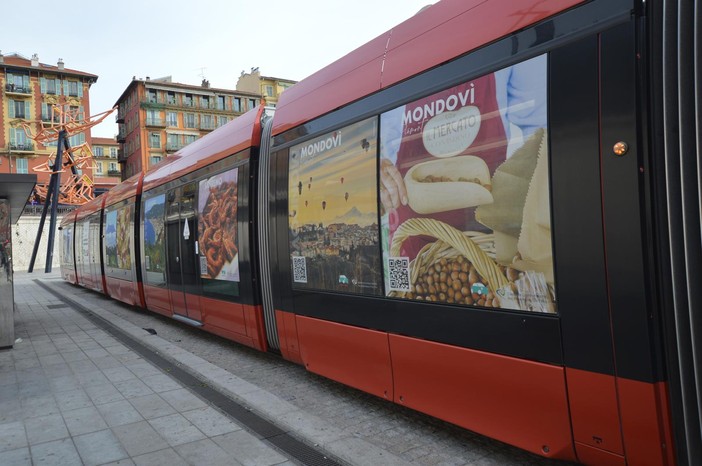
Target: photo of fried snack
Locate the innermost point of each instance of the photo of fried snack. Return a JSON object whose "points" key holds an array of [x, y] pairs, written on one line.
{"points": [[217, 226]]}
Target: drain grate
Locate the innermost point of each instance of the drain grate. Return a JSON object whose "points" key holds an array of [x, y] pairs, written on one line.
{"points": [[57, 306], [260, 427]]}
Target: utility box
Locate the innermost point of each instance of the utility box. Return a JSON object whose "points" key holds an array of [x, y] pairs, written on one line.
{"points": [[14, 191], [7, 296]]}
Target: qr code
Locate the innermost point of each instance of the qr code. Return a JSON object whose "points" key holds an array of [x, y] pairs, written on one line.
{"points": [[299, 269], [399, 274], [203, 265]]}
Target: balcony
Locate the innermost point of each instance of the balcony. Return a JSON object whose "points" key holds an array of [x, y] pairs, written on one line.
{"points": [[18, 90], [21, 147], [48, 119], [207, 125], [114, 173], [156, 122], [150, 102], [174, 146], [119, 118], [121, 136], [121, 156]]}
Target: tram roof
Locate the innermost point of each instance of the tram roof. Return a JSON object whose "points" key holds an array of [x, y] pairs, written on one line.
{"points": [[435, 35], [241, 133]]}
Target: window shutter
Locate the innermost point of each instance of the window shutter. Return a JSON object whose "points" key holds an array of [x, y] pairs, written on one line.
{"points": [[26, 110], [11, 105], [57, 89], [12, 135], [42, 85], [81, 113], [25, 82], [80, 89], [66, 87]]}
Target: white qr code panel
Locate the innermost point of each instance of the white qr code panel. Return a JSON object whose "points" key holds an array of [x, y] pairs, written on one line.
{"points": [[299, 264], [203, 265], [398, 274]]}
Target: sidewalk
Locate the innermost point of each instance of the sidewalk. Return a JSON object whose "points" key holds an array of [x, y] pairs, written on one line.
{"points": [[70, 393]]}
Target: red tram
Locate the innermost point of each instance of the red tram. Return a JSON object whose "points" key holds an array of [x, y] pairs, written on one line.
{"points": [[484, 214]]}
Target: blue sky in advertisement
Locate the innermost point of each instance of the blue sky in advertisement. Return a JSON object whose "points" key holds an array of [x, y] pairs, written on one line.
{"points": [[193, 40]]}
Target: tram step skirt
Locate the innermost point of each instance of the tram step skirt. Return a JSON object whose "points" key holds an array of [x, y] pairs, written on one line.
{"points": [[187, 320]]}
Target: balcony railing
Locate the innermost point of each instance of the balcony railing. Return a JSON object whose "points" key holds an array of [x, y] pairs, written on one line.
{"points": [[114, 173], [48, 119], [23, 146], [119, 118], [121, 155], [174, 146], [158, 122], [17, 89], [208, 126]]}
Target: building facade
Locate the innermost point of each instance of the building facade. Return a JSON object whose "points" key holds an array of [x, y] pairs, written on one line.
{"points": [[268, 87], [106, 167], [158, 117], [30, 89]]}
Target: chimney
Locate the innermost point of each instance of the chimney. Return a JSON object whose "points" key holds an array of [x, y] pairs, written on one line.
{"points": [[205, 83], [2, 57], [35, 60], [60, 63]]}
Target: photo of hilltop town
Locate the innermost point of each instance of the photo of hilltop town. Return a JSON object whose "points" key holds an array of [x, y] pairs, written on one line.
{"points": [[333, 211]]}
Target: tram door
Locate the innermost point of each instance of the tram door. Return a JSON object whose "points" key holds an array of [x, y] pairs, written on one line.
{"points": [[183, 276]]}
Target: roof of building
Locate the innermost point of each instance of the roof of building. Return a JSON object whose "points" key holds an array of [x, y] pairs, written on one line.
{"points": [[271, 78], [16, 60], [165, 83], [97, 141]]}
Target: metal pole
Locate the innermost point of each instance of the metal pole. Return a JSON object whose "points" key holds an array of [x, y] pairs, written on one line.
{"points": [[54, 203], [49, 196]]}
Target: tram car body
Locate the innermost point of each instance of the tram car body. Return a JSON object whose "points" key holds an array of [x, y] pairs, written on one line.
{"points": [[467, 216]]}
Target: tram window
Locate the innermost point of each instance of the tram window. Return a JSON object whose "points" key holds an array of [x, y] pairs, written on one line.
{"points": [[217, 214], [154, 240], [333, 211], [118, 237], [465, 194], [67, 249]]}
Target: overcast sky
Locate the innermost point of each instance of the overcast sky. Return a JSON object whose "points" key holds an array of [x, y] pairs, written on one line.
{"points": [[191, 39]]}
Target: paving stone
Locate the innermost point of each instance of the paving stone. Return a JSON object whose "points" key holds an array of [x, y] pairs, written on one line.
{"points": [[72, 399], [247, 449], [118, 374], [151, 406], [99, 448], [176, 429], [182, 399], [119, 413], [160, 383], [17, 457], [205, 452], [84, 420], [103, 393], [210, 421], [167, 457], [12, 436], [139, 438], [45, 428], [39, 406], [133, 388]]}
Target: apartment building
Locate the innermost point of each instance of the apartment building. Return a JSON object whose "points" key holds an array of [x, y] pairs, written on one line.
{"points": [[158, 117], [268, 87], [29, 90], [107, 173]]}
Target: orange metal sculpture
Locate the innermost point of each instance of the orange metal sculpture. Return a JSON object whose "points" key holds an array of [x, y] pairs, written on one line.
{"points": [[77, 188]]}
